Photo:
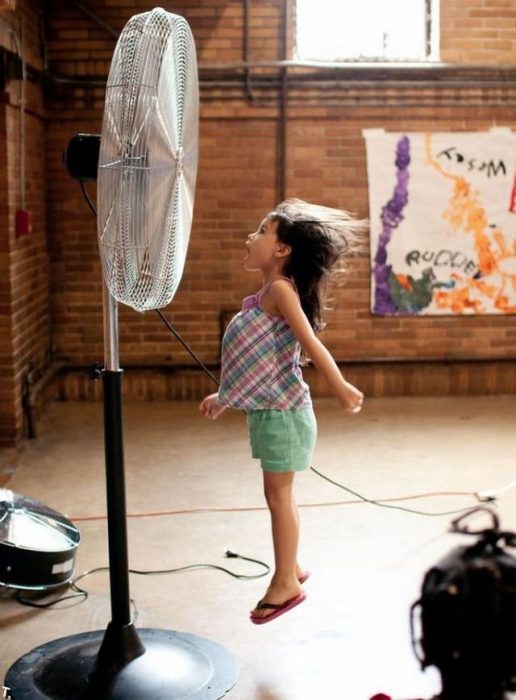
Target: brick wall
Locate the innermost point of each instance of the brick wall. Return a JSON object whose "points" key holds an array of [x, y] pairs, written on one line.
{"points": [[24, 298], [7, 393], [478, 31], [238, 182]]}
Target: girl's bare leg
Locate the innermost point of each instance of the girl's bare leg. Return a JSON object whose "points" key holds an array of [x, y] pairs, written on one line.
{"points": [[299, 570], [284, 585]]}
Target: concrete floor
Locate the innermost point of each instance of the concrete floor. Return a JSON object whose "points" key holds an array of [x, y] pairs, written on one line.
{"points": [[351, 638]]}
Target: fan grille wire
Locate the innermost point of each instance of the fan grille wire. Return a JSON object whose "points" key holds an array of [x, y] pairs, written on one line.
{"points": [[148, 160]]}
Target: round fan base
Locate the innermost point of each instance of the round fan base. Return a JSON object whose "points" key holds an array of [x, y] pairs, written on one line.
{"points": [[174, 666]]}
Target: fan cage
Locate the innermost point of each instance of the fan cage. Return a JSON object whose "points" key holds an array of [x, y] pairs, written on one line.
{"points": [[148, 160]]}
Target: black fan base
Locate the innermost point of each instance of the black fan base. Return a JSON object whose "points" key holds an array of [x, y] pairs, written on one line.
{"points": [[174, 666]]}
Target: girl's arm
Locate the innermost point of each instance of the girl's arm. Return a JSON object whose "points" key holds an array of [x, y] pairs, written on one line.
{"points": [[287, 301]]}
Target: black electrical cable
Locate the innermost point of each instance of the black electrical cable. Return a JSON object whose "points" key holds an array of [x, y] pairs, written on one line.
{"points": [[88, 198], [80, 592], [192, 567], [388, 505], [186, 346]]}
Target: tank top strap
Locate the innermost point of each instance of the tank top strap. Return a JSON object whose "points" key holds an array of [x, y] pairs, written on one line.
{"points": [[265, 287]]}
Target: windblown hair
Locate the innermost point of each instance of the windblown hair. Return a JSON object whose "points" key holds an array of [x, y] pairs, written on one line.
{"points": [[319, 238]]}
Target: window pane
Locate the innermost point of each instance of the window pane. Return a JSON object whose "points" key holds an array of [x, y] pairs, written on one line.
{"points": [[363, 30]]}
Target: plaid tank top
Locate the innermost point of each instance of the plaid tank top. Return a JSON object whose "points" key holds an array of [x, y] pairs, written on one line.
{"points": [[260, 362]]}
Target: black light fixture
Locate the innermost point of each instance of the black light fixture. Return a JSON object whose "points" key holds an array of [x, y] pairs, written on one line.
{"points": [[37, 544]]}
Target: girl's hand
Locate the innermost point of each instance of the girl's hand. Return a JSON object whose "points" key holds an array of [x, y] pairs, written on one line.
{"points": [[210, 407], [351, 398]]}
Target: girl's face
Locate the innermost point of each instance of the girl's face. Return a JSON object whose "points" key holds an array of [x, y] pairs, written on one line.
{"points": [[263, 247]]}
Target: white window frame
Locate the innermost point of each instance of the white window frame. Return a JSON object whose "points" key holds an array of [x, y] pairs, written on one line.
{"points": [[431, 37]]}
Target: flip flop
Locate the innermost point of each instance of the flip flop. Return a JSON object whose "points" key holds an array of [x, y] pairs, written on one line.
{"points": [[304, 577], [277, 609]]}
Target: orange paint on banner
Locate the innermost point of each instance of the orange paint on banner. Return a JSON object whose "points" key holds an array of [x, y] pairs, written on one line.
{"points": [[512, 204], [465, 212], [404, 281]]}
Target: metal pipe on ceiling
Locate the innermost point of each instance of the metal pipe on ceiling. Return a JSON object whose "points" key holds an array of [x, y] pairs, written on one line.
{"points": [[283, 108], [365, 67]]}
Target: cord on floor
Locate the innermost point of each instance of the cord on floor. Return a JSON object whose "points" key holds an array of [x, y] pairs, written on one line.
{"points": [[82, 593]]}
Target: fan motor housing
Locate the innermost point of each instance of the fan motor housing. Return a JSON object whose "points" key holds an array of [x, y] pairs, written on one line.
{"points": [[82, 156]]}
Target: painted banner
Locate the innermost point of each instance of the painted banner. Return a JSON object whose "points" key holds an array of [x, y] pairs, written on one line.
{"points": [[443, 222]]}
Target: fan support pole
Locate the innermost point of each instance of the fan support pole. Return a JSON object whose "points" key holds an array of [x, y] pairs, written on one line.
{"points": [[121, 663]]}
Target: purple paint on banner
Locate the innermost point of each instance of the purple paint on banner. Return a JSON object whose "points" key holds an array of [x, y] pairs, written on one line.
{"points": [[392, 215]]}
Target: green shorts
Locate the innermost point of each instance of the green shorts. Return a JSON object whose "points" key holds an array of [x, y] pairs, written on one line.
{"points": [[283, 441]]}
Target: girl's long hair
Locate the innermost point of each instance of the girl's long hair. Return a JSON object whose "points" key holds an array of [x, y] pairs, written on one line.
{"points": [[318, 237]]}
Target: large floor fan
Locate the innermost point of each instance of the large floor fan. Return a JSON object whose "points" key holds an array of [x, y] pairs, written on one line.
{"points": [[146, 180]]}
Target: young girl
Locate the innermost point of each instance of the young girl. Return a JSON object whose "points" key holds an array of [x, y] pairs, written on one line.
{"points": [[295, 248]]}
